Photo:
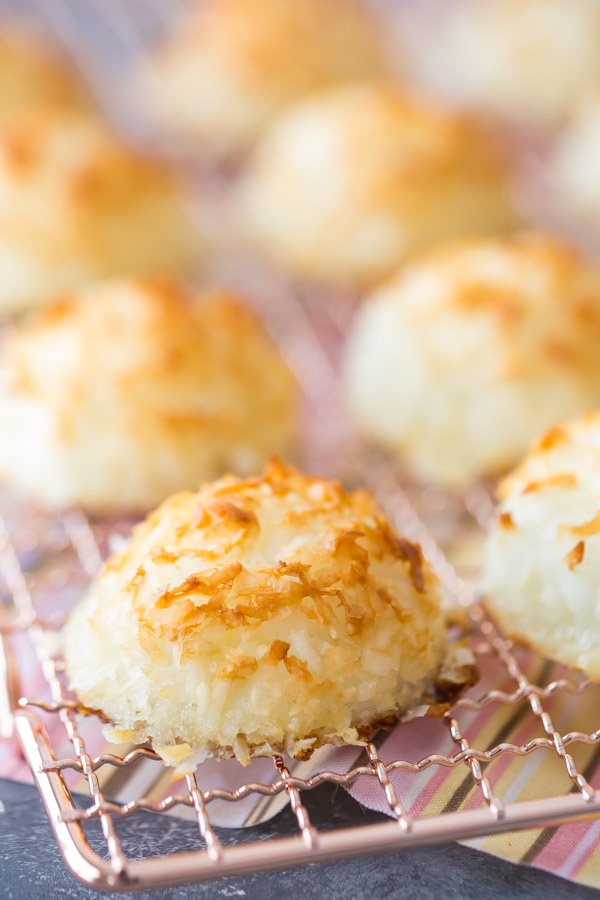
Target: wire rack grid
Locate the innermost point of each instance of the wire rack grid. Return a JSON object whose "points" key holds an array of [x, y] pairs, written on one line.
{"points": [[25, 591], [42, 556]]}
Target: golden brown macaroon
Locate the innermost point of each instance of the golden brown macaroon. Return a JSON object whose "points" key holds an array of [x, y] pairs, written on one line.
{"points": [[263, 616], [348, 183], [231, 66], [33, 74], [117, 396], [76, 204], [474, 349]]}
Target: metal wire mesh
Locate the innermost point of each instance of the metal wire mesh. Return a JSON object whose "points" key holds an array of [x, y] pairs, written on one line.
{"points": [[46, 562], [31, 557]]}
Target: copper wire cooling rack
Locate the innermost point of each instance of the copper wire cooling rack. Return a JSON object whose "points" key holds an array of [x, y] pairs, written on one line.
{"points": [[31, 555], [211, 860], [46, 562]]}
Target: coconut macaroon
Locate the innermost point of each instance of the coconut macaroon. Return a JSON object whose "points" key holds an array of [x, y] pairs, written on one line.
{"points": [[542, 557], [231, 66], [76, 204], [572, 165], [348, 183], [254, 617], [33, 74], [473, 350], [119, 395], [526, 61]]}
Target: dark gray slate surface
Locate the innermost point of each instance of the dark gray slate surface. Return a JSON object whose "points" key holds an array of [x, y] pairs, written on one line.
{"points": [[31, 867]]}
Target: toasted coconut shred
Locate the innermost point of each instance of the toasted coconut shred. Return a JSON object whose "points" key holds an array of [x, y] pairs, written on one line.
{"points": [[258, 616]]}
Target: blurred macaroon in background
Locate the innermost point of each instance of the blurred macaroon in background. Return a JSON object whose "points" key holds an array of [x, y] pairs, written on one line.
{"points": [[327, 152]]}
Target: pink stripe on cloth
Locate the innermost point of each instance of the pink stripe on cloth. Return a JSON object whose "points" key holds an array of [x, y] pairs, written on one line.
{"points": [[424, 737], [572, 845], [499, 767], [588, 844], [561, 853], [409, 741], [472, 724], [18, 770]]}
